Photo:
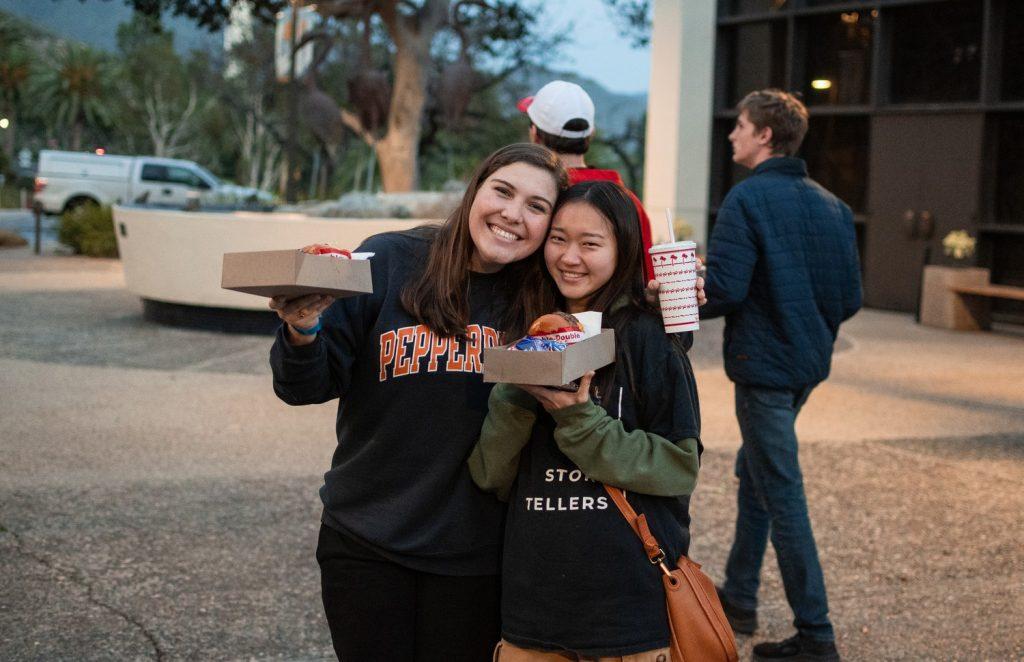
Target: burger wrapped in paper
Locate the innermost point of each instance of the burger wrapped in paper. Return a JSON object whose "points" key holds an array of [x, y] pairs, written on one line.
{"points": [[551, 333], [327, 249]]}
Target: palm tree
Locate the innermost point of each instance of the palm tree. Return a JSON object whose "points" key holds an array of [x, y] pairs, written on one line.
{"points": [[14, 73], [75, 90]]}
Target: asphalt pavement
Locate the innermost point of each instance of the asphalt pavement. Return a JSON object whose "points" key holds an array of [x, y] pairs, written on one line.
{"points": [[158, 502]]}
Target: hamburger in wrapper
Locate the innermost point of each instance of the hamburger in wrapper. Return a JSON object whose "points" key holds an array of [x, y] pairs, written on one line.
{"points": [[553, 333]]}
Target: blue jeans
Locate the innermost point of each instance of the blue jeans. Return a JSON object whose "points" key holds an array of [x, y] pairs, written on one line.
{"points": [[771, 502]]}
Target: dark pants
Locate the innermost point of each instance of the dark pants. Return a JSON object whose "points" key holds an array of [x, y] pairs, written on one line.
{"points": [[379, 610], [771, 502]]}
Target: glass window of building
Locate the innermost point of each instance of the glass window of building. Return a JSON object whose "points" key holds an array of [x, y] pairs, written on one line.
{"points": [[725, 173], [1013, 52], [837, 153], [1008, 268], [936, 52], [751, 6], [1009, 207], [837, 65], [757, 58]]}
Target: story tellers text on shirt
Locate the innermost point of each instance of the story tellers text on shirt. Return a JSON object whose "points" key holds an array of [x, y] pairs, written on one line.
{"points": [[571, 477], [403, 350]]}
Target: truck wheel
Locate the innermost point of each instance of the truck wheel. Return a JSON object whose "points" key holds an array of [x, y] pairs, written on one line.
{"points": [[81, 201]]}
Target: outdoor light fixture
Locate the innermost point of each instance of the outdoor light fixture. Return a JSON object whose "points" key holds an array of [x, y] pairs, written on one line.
{"points": [[4, 122], [821, 84], [100, 151]]}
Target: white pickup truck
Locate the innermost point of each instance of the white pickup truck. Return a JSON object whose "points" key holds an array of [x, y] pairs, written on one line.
{"points": [[68, 179]]}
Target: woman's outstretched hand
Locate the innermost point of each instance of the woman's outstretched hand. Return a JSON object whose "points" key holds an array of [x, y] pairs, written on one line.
{"points": [[301, 313], [553, 399]]}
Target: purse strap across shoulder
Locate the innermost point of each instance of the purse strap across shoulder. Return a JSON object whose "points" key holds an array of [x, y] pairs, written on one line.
{"points": [[638, 523]]}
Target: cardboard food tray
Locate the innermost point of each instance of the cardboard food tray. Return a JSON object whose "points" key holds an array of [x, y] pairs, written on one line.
{"points": [[549, 368], [293, 273]]}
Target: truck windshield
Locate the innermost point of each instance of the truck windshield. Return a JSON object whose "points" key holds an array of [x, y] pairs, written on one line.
{"points": [[209, 176]]}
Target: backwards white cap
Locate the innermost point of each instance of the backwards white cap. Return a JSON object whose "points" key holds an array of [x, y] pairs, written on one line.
{"points": [[556, 105]]}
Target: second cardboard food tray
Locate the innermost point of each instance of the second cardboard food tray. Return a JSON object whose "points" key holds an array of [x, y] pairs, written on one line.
{"points": [[292, 273], [549, 368]]}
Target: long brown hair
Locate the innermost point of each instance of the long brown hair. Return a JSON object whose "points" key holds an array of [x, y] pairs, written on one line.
{"points": [[439, 296]]}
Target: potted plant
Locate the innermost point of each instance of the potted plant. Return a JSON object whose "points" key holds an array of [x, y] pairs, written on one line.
{"points": [[959, 245]]}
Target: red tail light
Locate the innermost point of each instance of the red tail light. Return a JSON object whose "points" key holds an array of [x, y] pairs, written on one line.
{"points": [[40, 184]]}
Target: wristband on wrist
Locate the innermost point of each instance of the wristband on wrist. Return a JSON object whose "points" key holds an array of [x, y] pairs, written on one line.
{"points": [[312, 331]]}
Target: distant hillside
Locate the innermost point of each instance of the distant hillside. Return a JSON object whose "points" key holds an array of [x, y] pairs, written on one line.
{"points": [[10, 22], [95, 22]]}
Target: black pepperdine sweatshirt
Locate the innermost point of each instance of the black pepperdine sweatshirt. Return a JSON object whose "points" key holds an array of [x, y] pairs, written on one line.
{"points": [[410, 409]]}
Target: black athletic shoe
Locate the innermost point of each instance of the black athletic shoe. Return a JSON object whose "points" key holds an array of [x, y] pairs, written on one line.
{"points": [[796, 649], [743, 621]]}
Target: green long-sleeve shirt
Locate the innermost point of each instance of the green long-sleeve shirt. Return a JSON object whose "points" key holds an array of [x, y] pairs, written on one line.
{"points": [[598, 444]]}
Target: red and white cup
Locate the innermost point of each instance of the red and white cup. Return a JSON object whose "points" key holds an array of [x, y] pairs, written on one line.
{"points": [[675, 269]]}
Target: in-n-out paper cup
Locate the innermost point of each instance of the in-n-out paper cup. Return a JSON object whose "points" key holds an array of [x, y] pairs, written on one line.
{"points": [[675, 269]]}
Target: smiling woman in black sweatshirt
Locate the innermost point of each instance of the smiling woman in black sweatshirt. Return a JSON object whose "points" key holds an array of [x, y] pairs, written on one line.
{"points": [[409, 547]]}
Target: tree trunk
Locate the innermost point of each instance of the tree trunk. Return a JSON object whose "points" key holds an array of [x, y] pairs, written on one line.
{"points": [[412, 35], [9, 134], [76, 136], [398, 150]]}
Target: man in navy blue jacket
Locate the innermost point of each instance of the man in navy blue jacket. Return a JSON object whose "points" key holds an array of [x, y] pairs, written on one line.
{"points": [[783, 269]]}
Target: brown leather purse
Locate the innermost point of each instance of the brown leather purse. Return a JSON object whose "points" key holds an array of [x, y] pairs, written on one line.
{"points": [[700, 631]]}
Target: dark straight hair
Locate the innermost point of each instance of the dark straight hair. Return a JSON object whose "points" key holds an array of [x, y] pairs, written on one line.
{"points": [[439, 297], [614, 204], [612, 201], [561, 145]]}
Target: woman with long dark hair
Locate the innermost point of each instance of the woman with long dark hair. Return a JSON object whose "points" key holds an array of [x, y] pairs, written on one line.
{"points": [[409, 548], [576, 582]]}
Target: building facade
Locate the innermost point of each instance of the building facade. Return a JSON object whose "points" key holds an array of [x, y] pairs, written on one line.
{"points": [[917, 120]]}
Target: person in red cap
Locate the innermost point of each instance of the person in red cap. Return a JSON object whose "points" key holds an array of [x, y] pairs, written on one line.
{"points": [[562, 119]]}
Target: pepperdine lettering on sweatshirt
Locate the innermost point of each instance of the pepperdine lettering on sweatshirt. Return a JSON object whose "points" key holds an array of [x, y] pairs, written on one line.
{"points": [[402, 350], [575, 576], [410, 410]]}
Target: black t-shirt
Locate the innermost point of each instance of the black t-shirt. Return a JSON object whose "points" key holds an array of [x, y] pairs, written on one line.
{"points": [[575, 576], [411, 408]]}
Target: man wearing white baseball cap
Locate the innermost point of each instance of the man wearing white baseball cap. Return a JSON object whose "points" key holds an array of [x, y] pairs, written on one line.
{"points": [[562, 119]]}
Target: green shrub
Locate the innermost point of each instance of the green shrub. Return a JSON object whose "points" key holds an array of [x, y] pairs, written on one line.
{"points": [[89, 230], [10, 198]]}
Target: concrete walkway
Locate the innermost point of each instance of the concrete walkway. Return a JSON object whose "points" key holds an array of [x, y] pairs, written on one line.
{"points": [[158, 502]]}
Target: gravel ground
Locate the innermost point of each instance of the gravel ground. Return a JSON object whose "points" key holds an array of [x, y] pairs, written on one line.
{"points": [[157, 502], [921, 550]]}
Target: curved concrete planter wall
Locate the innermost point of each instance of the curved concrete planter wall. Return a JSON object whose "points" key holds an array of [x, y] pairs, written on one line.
{"points": [[175, 256]]}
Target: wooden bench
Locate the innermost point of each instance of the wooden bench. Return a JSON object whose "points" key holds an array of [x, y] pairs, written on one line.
{"points": [[977, 300], [991, 291], [961, 297]]}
